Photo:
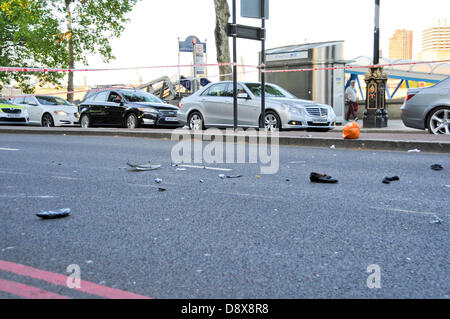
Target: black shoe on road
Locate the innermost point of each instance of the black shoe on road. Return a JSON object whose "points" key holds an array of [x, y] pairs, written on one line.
{"points": [[322, 178]]}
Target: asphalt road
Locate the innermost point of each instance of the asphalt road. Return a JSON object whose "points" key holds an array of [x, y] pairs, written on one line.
{"points": [[249, 237]]}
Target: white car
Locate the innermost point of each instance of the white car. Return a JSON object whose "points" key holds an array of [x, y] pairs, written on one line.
{"points": [[48, 110]]}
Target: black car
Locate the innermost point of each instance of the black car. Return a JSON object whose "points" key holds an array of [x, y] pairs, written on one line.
{"points": [[126, 107]]}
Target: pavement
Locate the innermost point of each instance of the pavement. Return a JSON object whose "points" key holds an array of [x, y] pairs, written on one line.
{"points": [[258, 236], [395, 138]]}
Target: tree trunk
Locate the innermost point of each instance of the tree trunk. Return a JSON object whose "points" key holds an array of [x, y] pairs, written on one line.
{"points": [[222, 44], [70, 87]]}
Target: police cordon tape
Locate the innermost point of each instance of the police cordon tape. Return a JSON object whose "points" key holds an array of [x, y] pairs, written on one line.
{"points": [[354, 67]]}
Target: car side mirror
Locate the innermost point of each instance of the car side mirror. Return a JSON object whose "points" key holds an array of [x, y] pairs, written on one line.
{"points": [[243, 96]]}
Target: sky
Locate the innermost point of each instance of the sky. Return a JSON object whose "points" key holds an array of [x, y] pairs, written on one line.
{"points": [[151, 36]]}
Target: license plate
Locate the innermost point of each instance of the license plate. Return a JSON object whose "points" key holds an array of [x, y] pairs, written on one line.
{"points": [[171, 119], [320, 121], [14, 116]]}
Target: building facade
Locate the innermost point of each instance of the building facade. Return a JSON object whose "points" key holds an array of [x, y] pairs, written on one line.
{"points": [[436, 42], [401, 45]]}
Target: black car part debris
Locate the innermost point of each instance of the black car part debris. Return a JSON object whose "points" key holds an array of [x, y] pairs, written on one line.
{"points": [[322, 178], [53, 214], [144, 167], [160, 189], [388, 180], [235, 176], [437, 167]]}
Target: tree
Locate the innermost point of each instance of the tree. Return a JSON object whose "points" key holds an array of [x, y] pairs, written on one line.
{"points": [[90, 25], [27, 38], [57, 34], [222, 44]]}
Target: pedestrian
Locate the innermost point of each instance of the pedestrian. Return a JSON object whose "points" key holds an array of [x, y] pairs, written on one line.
{"points": [[350, 100]]}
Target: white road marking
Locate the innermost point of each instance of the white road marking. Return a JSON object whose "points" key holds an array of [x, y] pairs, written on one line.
{"points": [[9, 149], [206, 167], [247, 195], [27, 196], [404, 211], [66, 177]]}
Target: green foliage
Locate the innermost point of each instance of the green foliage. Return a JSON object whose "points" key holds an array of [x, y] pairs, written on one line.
{"points": [[34, 33]]}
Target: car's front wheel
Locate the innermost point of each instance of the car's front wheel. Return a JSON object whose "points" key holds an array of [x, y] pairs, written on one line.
{"points": [[439, 121], [132, 121], [196, 121], [272, 121], [47, 120], [85, 122]]}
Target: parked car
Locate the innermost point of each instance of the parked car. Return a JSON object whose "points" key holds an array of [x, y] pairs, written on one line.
{"points": [[126, 107], [48, 110], [213, 107], [12, 114], [428, 108]]}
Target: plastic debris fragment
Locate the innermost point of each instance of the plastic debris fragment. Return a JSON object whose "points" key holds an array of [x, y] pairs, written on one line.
{"points": [[414, 151], [322, 178], [436, 220], [333, 146], [437, 167], [222, 176], [54, 214], [160, 189], [144, 167], [388, 180], [202, 181], [234, 176], [158, 180]]}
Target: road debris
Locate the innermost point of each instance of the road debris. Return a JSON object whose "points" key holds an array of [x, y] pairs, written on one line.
{"points": [[436, 220], [158, 180], [180, 169], [437, 167], [414, 151], [202, 181], [54, 214], [322, 178], [388, 180], [160, 189], [333, 146], [234, 176], [258, 176], [144, 167], [222, 176]]}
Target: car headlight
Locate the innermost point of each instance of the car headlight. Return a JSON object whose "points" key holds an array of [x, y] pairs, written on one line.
{"points": [[149, 111], [295, 110], [62, 113]]}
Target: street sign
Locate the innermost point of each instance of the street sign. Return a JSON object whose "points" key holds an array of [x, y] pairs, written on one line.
{"points": [[188, 44], [252, 9], [245, 32]]}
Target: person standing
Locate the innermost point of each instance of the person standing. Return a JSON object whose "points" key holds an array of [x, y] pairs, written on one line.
{"points": [[351, 101]]}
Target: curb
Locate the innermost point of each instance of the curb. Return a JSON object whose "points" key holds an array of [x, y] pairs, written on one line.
{"points": [[326, 142]]}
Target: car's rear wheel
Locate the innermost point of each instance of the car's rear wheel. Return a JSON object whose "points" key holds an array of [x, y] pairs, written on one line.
{"points": [[439, 121], [47, 120], [85, 122], [272, 121], [132, 121], [196, 121]]}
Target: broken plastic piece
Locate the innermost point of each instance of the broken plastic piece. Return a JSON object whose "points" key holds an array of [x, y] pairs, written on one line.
{"points": [[202, 181], [322, 178], [160, 189], [235, 176], [158, 180], [436, 220], [333, 146], [222, 176], [437, 167], [414, 151], [144, 167], [54, 214], [388, 180]]}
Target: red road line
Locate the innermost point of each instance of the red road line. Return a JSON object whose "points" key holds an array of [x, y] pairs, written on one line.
{"points": [[29, 292], [61, 280]]}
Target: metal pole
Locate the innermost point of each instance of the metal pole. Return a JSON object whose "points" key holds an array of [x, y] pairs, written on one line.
{"points": [[376, 53], [179, 74], [263, 62], [235, 100]]}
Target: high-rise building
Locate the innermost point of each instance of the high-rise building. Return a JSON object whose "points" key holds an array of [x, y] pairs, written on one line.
{"points": [[400, 45], [436, 42]]}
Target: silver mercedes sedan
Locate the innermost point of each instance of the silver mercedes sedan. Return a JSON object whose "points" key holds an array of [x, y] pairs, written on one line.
{"points": [[428, 108], [212, 106]]}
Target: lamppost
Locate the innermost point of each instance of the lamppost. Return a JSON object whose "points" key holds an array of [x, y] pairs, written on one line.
{"points": [[375, 114]]}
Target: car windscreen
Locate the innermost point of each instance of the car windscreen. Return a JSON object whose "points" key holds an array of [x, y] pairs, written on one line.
{"points": [[271, 90], [4, 101], [51, 100], [141, 97]]}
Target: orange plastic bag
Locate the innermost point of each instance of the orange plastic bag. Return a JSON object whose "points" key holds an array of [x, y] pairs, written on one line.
{"points": [[351, 131]]}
